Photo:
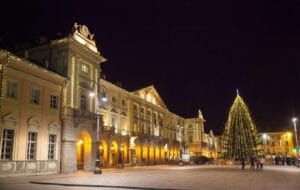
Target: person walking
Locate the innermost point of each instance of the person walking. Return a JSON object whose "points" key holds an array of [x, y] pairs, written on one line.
{"points": [[257, 161], [262, 161], [252, 159], [243, 163]]}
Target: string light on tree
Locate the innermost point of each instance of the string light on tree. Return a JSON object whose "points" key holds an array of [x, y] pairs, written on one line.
{"points": [[240, 138]]}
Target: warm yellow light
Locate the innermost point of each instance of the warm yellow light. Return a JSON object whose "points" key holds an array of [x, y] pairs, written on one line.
{"points": [[101, 147], [124, 132], [288, 134], [91, 94], [112, 148], [121, 148], [79, 142]]}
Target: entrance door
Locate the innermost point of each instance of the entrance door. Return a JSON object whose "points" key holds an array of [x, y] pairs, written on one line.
{"points": [[80, 155]]}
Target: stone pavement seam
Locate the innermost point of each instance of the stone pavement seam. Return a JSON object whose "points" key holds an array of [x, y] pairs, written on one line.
{"points": [[89, 185]]}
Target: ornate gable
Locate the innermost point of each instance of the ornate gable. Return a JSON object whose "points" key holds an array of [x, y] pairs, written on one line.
{"points": [[10, 120], [151, 95], [34, 124]]}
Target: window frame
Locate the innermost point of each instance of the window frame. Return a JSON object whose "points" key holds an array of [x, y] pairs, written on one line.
{"points": [[54, 104], [4, 141], [52, 147], [29, 147], [85, 68], [12, 93], [33, 96]]}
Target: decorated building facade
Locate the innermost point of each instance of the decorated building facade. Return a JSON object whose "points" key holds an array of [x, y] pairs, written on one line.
{"points": [[58, 114]]}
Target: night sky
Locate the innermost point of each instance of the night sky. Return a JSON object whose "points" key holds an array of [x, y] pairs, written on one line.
{"points": [[195, 54]]}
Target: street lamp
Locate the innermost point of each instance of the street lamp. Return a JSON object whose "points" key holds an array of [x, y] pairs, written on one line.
{"points": [[97, 169], [294, 119]]}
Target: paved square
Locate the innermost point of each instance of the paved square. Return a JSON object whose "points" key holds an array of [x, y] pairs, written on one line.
{"points": [[166, 177]]}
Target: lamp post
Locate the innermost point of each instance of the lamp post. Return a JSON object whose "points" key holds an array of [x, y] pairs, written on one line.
{"points": [[294, 119], [97, 169]]}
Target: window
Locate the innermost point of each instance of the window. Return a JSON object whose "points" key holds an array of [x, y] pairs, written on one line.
{"points": [[7, 144], [35, 96], [84, 68], [142, 110], [12, 88], [83, 102], [113, 122], [31, 146], [123, 103], [51, 147], [54, 101], [134, 107], [114, 99]]}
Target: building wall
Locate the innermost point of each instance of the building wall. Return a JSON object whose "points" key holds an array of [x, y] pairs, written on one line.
{"points": [[129, 128], [19, 114], [278, 143]]}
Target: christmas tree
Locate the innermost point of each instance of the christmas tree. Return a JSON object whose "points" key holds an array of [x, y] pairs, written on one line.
{"points": [[240, 139]]}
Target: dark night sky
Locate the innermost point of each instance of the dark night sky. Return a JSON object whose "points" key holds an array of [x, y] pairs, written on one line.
{"points": [[195, 54]]}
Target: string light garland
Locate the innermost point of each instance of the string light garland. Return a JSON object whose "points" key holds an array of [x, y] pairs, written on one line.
{"points": [[240, 138]]}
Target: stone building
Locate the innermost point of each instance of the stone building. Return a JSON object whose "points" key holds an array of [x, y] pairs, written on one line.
{"points": [[278, 143], [30, 110], [58, 115]]}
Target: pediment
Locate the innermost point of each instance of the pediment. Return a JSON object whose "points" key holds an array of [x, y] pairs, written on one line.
{"points": [[10, 118], [114, 110], [34, 121], [53, 127], [54, 124], [151, 95], [34, 124]]}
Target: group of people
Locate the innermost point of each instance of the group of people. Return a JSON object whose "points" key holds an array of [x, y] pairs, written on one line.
{"points": [[259, 162]]}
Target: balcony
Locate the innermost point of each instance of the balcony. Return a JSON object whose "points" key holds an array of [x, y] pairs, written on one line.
{"points": [[84, 114], [108, 129]]}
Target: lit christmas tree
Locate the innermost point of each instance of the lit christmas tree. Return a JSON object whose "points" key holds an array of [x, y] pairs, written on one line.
{"points": [[240, 139]]}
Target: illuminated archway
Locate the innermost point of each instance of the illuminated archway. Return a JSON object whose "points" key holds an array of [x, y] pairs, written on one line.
{"points": [[145, 153], [103, 153], [151, 153], [114, 152], [123, 153], [137, 153], [84, 150], [157, 153]]}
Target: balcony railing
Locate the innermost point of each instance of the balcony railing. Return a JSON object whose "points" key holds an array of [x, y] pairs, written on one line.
{"points": [[80, 113]]}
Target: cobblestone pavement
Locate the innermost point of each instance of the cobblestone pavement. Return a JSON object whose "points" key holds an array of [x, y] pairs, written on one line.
{"points": [[165, 177]]}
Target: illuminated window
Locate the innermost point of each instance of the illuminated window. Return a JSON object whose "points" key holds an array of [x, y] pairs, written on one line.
{"points": [[83, 102], [54, 101], [84, 68], [31, 146], [35, 96], [113, 122], [7, 144], [12, 89], [51, 147]]}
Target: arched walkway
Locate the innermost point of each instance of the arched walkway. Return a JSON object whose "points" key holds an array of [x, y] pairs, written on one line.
{"points": [[103, 153], [84, 150], [114, 152]]}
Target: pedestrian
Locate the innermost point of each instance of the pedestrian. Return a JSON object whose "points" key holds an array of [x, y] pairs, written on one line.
{"points": [[257, 161], [243, 163], [252, 167], [262, 161]]}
